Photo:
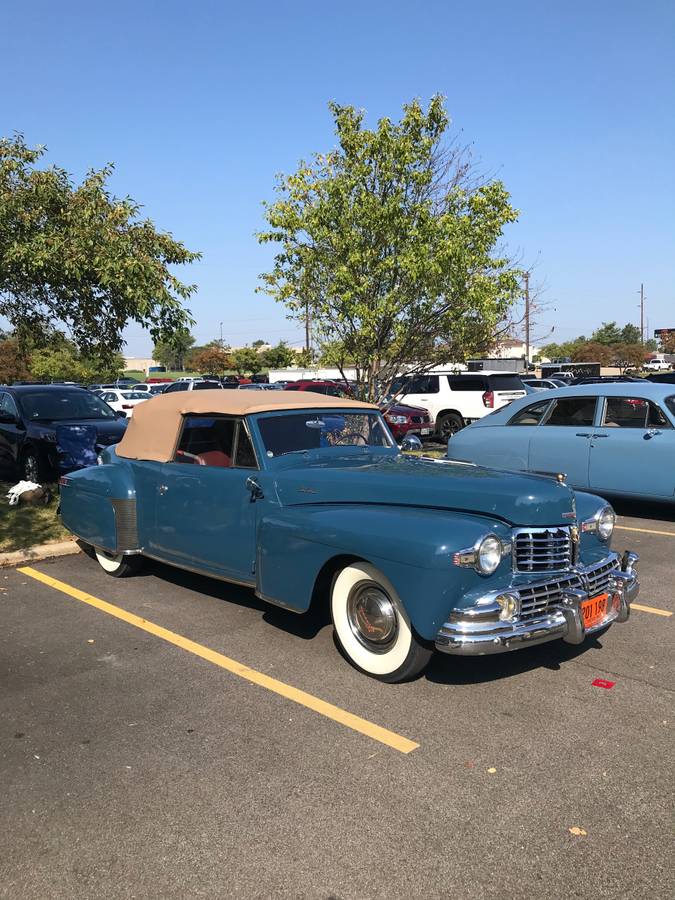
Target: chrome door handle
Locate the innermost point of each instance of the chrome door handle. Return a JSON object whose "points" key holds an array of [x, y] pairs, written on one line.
{"points": [[583, 434], [163, 488], [599, 435], [651, 433]]}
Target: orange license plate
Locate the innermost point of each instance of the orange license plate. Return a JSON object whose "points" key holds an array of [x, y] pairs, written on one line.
{"points": [[594, 610]]}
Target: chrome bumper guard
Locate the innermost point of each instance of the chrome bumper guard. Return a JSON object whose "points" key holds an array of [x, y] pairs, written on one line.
{"points": [[562, 620]]}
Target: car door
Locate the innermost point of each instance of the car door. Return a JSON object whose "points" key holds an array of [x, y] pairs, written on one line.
{"points": [[563, 440], [204, 517], [632, 450], [11, 433]]}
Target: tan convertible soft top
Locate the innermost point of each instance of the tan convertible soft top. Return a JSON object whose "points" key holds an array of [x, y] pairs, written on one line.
{"points": [[154, 428]]}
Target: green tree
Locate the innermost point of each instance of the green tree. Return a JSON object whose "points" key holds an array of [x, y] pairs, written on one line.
{"points": [[608, 333], [258, 344], [304, 358], [279, 357], [172, 352], [77, 256], [63, 362], [246, 360], [392, 246], [630, 334]]}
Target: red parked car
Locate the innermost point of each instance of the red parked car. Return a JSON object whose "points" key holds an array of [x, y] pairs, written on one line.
{"points": [[403, 419], [332, 388]]}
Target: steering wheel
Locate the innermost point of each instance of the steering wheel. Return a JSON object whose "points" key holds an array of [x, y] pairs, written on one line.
{"points": [[352, 434]]}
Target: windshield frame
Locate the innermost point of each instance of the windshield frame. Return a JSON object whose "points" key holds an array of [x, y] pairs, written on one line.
{"points": [[340, 450], [107, 412]]}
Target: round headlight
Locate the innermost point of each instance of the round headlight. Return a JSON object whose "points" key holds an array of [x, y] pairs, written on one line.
{"points": [[489, 554], [606, 521]]}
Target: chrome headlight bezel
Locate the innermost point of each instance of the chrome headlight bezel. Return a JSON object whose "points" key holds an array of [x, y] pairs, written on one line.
{"points": [[476, 557], [602, 524]]}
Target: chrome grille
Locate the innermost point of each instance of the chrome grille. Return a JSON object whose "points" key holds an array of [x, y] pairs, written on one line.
{"points": [[542, 549], [538, 598], [125, 524]]}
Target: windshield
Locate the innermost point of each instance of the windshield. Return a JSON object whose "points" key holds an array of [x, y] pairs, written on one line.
{"points": [[60, 405], [134, 395], [296, 432]]}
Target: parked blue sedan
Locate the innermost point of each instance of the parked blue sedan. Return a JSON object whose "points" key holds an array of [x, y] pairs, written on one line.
{"points": [[612, 439], [308, 500]]}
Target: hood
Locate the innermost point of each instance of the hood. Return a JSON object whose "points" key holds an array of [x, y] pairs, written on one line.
{"points": [[108, 430], [403, 409], [515, 498]]}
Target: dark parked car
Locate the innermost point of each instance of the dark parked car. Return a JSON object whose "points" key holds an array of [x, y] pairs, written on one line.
{"points": [[607, 379], [31, 416], [662, 378]]}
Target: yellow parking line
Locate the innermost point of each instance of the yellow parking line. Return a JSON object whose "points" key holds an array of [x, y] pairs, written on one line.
{"points": [[349, 720], [646, 530], [651, 609]]}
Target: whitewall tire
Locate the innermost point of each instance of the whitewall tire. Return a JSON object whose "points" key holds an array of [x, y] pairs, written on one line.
{"points": [[117, 564], [372, 628]]}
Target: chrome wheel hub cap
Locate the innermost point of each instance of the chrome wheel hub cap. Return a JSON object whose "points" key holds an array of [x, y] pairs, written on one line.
{"points": [[372, 617]]}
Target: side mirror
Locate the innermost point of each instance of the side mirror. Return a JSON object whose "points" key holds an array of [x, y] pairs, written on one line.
{"points": [[8, 418], [120, 414], [411, 442]]}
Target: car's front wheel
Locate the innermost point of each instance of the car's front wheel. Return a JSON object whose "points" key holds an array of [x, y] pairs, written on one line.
{"points": [[371, 628], [117, 564], [32, 468]]}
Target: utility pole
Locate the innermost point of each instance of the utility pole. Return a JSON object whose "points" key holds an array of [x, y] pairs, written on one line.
{"points": [[307, 341], [221, 334], [527, 319], [642, 313]]}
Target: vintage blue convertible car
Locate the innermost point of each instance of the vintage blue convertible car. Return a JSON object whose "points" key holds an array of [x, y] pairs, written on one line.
{"points": [[308, 500]]}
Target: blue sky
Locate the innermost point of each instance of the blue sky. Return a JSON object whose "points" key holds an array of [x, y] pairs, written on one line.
{"points": [[199, 105]]}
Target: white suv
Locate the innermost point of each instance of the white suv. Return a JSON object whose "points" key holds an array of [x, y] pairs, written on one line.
{"points": [[456, 398]]}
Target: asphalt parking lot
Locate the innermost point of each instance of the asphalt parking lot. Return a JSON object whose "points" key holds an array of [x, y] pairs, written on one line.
{"points": [[155, 742]]}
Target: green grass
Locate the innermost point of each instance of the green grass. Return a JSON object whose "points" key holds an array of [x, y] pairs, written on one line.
{"points": [[24, 526]]}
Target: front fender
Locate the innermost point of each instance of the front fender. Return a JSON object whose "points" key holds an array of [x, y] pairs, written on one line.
{"points": [[412, 547]]}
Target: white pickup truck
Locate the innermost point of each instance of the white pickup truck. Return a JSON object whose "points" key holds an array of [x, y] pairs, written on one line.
{"points": [[657, 365]]}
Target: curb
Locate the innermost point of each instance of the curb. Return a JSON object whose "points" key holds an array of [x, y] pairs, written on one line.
{"points": [[40, 551]]}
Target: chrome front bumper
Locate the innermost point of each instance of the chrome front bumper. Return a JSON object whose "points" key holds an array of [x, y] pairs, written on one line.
{"points": [[563, 620]]}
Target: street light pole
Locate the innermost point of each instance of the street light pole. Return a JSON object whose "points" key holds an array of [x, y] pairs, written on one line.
{"points": [[527, 319], [642, 313]]}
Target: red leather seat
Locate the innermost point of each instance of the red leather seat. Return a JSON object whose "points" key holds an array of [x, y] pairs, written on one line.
{"points": [[214, 458]]}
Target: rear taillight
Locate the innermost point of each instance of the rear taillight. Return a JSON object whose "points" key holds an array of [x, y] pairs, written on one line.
{"points": [[489, 399], [127, 406]]}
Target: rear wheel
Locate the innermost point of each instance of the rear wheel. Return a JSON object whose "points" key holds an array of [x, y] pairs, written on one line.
{"points": [[371, 628], [117, 564], [449, 424]]}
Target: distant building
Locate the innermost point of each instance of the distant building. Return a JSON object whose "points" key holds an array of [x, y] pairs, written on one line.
{"points": [[510, 348], [138, 364]]}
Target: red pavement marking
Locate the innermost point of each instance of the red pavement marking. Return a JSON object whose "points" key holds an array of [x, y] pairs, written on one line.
{"points": [[600, 682]]}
